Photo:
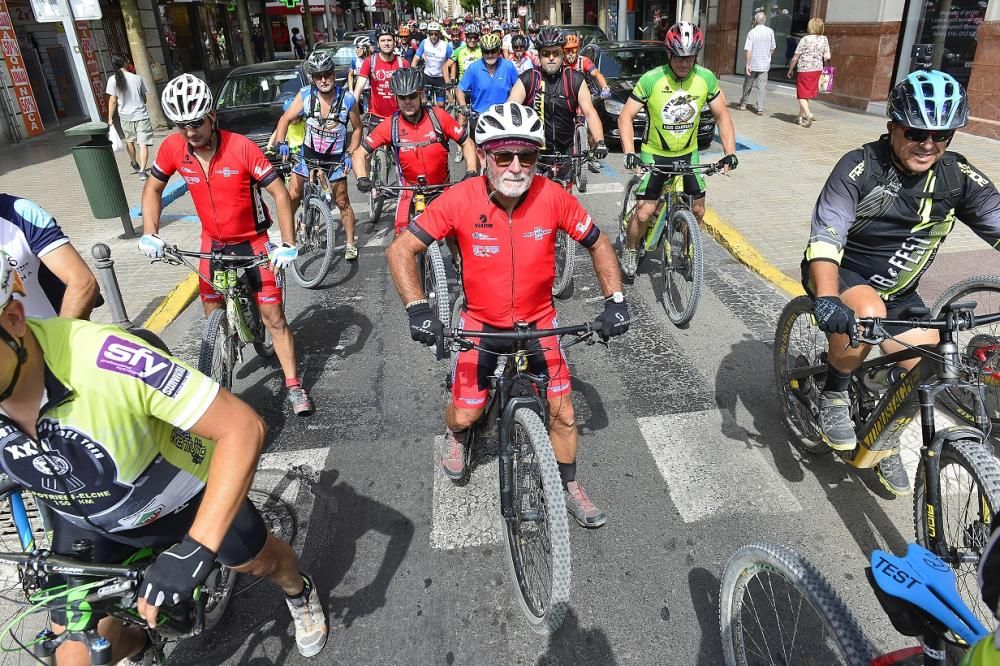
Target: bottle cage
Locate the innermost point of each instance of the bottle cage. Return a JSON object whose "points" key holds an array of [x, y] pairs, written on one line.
{"points": [[925, 584]]}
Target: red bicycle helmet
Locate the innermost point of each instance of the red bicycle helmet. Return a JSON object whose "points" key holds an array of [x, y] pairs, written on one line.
{"points": [[684, 39]]}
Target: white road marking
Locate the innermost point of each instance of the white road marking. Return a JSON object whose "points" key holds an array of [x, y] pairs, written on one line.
{"points": [[713, 474], [466, 515], [290, 474], [600, 188]]}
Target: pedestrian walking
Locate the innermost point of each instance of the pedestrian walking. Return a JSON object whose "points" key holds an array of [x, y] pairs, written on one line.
{"points": [[259, 45], [127, 95], [758, 48], [810, 55], [298, 44]]}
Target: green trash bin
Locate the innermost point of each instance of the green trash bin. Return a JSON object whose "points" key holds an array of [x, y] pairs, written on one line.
{"points": [[95, 161]]}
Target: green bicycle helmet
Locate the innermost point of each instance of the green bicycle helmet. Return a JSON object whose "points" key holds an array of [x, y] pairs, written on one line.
{"points": [[929, 100]]}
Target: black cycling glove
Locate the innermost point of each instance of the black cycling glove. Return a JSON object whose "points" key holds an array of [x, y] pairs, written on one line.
{"points": [[425, 326], [600, 150], [832, 316], [365, 184], [176, 572], [470, 174], [632, 161], [729, 160], [614, 320]]}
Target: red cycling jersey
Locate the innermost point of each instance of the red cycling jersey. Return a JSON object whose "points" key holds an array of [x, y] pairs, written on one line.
{"points": [[508, 261], [383, 102], [227, 198], [584, 64]]}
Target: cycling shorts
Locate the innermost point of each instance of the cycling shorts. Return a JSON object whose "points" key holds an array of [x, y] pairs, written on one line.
{"points": [[334, 175], [262, 279], [472, 368], [895, 308], [435, 83], [242, 543], [652, 183]]}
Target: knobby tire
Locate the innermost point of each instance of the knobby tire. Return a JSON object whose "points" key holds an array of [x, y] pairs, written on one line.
{"points": [[581, 146], [686, 266], [795, 412], [218, 349], [565, 260], [310, 268]]}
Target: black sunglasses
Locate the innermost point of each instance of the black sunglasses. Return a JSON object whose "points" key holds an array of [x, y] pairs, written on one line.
{"points": [[324, 75], [410, 96], [490, 51], [920, 135], [194, 124], [503, 158], [550, 54]]}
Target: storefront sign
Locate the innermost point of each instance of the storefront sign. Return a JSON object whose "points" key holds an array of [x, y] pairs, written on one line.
{"points": [[48, 11], [89, 50], [18, 74]]}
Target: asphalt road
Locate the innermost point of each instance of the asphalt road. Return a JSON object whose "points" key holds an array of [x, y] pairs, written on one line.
{"points": [[681, 445]]}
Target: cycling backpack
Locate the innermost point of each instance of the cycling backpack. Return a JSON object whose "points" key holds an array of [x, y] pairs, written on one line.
{"points": [[399, 62], [442, 138], [948, 182], [335, 109], [568, 89]]}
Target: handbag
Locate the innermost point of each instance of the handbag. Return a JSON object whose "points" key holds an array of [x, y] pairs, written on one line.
{"points": [[116, 141], [159, 76], [826, 79]]}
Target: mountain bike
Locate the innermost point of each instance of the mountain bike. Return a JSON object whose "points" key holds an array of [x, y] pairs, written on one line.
{"points": [[315, 227], [433, 275], [682, 256], [382, 171], [957, 486], [581, 147], [532, 505], [775, 607], [228, 329]]}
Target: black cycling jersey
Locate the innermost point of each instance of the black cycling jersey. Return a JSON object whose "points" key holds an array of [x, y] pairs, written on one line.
{"points": [[891, 234], [554, 98]]}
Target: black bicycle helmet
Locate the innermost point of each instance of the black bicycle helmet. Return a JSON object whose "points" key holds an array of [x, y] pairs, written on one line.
{"points": [[472, 30], [518, 42], [384, 29], [550, 36], [406, 81], [320, 60]]}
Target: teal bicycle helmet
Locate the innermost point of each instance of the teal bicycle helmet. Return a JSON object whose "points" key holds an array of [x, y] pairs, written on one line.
{"points": [[929, 100]]}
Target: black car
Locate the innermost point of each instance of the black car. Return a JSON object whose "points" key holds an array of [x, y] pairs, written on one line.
{"points": [[622, 64], [587, 33], [251, 98]]}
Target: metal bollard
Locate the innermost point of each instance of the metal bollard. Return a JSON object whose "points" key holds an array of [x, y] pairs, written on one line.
{"points": [[109, 285]]}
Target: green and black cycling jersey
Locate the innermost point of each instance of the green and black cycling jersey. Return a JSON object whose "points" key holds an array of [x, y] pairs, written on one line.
{"points": [[674, 107], [887, 226]]}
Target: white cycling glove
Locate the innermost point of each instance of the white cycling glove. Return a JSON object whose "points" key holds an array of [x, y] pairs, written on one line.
{"points": [[152, 246], [282, 256]]}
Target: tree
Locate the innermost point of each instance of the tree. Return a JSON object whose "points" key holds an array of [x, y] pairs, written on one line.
{"points": [[137, 45], [470, 5], [426, 5]]}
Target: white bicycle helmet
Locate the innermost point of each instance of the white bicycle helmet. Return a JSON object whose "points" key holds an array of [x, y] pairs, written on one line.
{"points": [[433, 26], [509, 121], [186, 98], [362, 42]]}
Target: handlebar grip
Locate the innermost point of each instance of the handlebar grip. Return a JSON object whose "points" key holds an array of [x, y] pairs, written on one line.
{"points": [[441, 351]]}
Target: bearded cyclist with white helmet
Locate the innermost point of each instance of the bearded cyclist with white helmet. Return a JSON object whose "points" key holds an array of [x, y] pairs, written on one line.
{"points": [[224, 173], [674, 96]]}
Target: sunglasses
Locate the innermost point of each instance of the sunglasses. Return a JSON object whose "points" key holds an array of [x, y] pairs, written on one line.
{"points": [[323, 75], [550, 54], [920, 135], [194, 124], [503, 158], [490, 51], [409, 97]]}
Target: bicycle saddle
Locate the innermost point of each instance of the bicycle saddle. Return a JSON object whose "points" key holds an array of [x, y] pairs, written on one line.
{"points": [[918, 593]]}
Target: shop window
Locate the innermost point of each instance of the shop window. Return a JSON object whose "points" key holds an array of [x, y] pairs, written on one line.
{"points": [[788, 19]]}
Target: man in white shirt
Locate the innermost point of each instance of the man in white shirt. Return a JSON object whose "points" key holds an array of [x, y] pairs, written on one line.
{"points": [[758, 49], [127, 94]]}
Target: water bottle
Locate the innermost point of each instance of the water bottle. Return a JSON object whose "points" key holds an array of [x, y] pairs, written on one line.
{"points": [[882, 378]]}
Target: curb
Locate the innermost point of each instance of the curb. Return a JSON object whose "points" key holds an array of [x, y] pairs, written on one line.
{"points": [[741, 249], [173, 304]]}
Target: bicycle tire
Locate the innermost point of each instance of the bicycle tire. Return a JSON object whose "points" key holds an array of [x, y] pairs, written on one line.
{"points": [[977, 462], [689, 266], [265, 346], [375, 200], [543, 616], [565, 260], [319, 232], [218, 349], [580, 147], [436, 277], [215, 607], [798, 416], [847, 640], [952, 399], [628, 209]]}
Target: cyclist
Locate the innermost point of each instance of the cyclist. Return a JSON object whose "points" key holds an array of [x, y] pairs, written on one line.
{"points": [[456, 40], [487, 81], [58, 279], [363, 49], [465, 55], [419, 136], [673, 96], [523, 59], [559, 95], [434, 52], [224, 173], [130, 447], [405, 45], [379, 68], [533, 29], [877, 224], [330, 111], [505, 224], [584, 64]]}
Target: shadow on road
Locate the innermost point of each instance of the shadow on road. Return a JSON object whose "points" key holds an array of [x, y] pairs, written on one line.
{"points": [[340, 518], [704, 586], [790, 118], [573, 644], [590, 412]]}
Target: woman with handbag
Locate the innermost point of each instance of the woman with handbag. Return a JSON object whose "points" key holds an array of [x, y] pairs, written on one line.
{"points": [[813, 50]]}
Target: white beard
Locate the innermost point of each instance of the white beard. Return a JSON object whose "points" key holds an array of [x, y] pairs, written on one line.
{"points": [[506, 185]]}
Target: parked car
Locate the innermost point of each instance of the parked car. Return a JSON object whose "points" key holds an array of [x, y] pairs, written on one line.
{"points": [[251, 97], [622, 64], [343, 56], [588, 33]]}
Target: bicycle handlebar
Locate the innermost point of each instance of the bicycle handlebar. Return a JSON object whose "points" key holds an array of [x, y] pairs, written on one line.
{"points": [[44, 561], [253, 259], [681, 169], [523, 334], [414, 188]]}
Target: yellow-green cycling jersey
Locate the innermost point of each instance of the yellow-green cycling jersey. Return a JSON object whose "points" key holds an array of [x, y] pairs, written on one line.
{"points": [[674, 106], [983, 653], [113, 443]]}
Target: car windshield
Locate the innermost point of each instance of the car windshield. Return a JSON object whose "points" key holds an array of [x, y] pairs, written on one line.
{"points": [[631, 63], [259, 88], [344, 55]]}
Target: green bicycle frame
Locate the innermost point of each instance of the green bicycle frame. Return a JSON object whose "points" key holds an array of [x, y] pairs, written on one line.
{"points": [[672, 187]]}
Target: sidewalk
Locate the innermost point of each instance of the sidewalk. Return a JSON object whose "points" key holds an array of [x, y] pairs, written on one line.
{"points": [[770, 197], [44, 171]]}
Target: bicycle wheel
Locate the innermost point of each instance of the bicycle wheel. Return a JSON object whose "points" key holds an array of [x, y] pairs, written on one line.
{"points": [[565, 260], [798, 343], [436, 283], [969, 478], [375, 200], [316, 236], [628, 209], [580, 147], [222, 580], [537, 540], [218, 349], [980, 345], [777, 608], [683, 266]]}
